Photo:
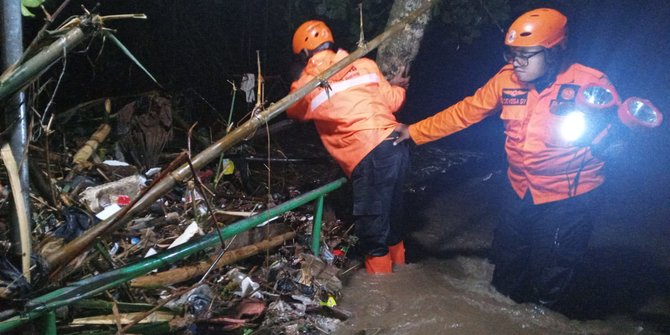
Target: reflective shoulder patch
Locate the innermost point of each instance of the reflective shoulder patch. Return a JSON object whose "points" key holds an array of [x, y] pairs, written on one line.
{"points": [[370, 78]]}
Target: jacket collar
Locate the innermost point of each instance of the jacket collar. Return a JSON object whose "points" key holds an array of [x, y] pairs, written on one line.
{"points": [[321, 61]]}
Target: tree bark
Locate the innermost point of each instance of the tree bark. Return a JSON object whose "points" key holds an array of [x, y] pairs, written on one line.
{"points": [[400, 50]]}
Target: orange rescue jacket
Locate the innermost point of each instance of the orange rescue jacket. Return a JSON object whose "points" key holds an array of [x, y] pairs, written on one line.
{"points": [[354, 113], [539, 160]]}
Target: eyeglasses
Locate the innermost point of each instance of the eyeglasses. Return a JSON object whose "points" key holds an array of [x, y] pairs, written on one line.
{"points": [[521, 59]]}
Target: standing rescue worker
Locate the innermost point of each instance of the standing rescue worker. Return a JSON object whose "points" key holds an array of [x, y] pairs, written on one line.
{"points": [[546, 215], [354, 116]]}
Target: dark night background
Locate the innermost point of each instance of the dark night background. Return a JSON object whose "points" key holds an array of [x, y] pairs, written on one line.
{"points": [[195, 46]]}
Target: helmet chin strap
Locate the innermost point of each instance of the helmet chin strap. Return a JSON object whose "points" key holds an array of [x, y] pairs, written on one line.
{"points": [[549, 76], [546, 80], [307, 54]]}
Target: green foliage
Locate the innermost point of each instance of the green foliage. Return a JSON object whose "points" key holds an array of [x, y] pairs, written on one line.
{"points": [[342, 17], [127, 52], [465, 19], [25, 4]]}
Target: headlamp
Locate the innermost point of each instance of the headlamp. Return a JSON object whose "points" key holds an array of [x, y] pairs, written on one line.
{"points": [[637, 112], [589, 115], [597, 96]]}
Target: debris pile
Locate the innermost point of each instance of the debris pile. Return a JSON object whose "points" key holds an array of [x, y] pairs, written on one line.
{"points": [[269, 279]]}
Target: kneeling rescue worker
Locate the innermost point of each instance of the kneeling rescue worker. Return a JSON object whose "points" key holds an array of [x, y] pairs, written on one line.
{"points": [[354, 116], [546, 215]]}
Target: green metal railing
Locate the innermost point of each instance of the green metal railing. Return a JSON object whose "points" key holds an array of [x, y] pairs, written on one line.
{"points": [[92, 286]]}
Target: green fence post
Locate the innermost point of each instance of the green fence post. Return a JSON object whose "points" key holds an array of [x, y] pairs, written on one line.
{"points": [[316, 226], [49, 323]]}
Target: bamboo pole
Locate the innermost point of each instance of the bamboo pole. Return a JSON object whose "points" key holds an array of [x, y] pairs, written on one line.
{"points": [[20, 204], [104, 306], [85, 152], [181, 174], [23, 74], [185, 273], [83, 27]]}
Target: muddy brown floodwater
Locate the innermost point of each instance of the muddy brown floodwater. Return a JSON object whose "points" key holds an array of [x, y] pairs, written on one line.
{"points": [[623, 288], [453, 297]]}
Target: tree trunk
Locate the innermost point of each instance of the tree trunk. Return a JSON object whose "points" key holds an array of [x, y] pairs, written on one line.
{"points": [[401, 50]]}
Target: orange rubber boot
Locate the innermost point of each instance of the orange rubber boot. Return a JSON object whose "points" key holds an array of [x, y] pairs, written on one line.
{"points": [[378, 265], [397, 252]]}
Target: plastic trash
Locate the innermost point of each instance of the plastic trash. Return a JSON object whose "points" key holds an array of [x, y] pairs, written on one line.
{"points": [[326, 255], [98, 197], [190, 231], [115, 248], [153, 171], [247, 287], [108, 212], [196, 301], [150, 252], [121, 200], [228, 166], [76, 222]]}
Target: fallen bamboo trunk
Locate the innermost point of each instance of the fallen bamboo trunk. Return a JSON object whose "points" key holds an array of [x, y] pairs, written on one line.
{"points": [[185, 273], [57, 260]]}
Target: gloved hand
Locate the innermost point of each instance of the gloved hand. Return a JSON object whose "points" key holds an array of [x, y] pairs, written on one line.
{"points": [[614, 145], [399, 79], [403, 133]]}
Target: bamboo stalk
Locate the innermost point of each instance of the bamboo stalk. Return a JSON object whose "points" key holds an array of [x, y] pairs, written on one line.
{"points": [[185, 273], [85, 152], [106, 306], [23, 74], [20, 205], [181, 174], [124, 318]]}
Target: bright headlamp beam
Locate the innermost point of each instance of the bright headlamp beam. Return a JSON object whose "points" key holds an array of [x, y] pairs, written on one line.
{"points": [[573, 126]]}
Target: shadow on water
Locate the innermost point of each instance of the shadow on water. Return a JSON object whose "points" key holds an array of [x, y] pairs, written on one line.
{"points": [[621, 281], [452, 214]]}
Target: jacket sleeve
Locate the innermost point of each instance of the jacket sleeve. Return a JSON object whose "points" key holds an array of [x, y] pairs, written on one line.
{"points": [[298, 110], [463, 114]]}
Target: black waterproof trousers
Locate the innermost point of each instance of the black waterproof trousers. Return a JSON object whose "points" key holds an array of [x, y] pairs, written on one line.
{"points": [[536, 248], [378, 197]]}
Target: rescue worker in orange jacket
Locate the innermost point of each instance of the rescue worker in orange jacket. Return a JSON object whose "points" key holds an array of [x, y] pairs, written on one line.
{"points": [[545, 221], [354, 116]]}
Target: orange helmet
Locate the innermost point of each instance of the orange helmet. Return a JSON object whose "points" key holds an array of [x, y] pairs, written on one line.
{"points": [[310, 35], [539, 27]]}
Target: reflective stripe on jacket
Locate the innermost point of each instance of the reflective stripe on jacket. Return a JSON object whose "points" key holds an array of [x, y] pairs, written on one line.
{"points": [[354, 112], [539, 160]]}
